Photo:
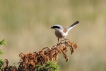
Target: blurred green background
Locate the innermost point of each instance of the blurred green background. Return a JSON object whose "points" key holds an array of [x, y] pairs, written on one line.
{"points": [[25, 25]]}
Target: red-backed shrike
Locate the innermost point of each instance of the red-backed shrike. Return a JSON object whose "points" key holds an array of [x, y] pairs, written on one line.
{"points": [[61, 32]]}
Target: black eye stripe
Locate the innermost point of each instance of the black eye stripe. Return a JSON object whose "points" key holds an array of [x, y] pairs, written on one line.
{"points": [[56, 27]]}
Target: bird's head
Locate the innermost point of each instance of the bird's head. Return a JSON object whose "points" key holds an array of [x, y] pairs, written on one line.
{"points": [[57, 27]]}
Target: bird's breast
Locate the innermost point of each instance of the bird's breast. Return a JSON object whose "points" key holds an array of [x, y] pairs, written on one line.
{"points": [[58, 34]]}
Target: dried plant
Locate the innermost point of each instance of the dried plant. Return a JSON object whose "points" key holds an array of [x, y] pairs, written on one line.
{"points": [[6, 66], [31, 60], [44, 60]]}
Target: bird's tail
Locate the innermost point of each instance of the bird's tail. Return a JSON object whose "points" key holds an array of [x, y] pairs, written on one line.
{"points": [[73, 25]]}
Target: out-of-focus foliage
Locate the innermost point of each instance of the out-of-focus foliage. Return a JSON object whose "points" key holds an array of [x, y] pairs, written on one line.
{"points": [[49, 66], [1, 63], [2, 42]]}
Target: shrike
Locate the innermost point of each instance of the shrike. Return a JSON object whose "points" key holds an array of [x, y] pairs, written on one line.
{"points": [[61, 32]]}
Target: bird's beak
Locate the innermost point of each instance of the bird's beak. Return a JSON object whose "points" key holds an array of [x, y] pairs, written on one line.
{"points": [[52, 27]]}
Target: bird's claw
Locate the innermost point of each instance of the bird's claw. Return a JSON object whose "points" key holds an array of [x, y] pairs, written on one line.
{"points": [[65, 42], [58, 44]]}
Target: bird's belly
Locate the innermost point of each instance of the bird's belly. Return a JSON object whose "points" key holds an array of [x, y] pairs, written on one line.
{"points": [[58, 34]]}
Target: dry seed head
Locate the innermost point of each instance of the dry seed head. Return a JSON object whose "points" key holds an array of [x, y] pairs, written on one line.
{"points": [[46, 54]]}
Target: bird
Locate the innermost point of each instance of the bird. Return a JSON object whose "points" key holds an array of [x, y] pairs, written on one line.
{"points": [[61, 32]]}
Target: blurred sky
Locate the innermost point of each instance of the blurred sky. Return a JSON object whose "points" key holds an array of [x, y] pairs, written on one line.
{"points": [[25, 25]]}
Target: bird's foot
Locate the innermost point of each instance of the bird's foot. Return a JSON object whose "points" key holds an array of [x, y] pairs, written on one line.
{"points": [[65, 42], [58, 44], [66, 39]]}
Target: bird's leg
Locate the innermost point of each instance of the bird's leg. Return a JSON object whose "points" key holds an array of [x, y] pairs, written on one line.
{"points": [[58, 42], [65, 40]]}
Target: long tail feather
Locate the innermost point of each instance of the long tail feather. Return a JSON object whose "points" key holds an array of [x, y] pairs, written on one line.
{"points": [[73, 25]]}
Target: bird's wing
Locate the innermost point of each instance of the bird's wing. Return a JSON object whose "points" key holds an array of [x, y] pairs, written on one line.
{"points": [[73, 25]]}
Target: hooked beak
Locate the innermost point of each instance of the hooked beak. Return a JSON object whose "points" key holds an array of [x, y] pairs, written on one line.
{"points": [[52, 27]]}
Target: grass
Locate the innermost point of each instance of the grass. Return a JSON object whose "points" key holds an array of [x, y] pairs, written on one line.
{"points": [[23, 24]]}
